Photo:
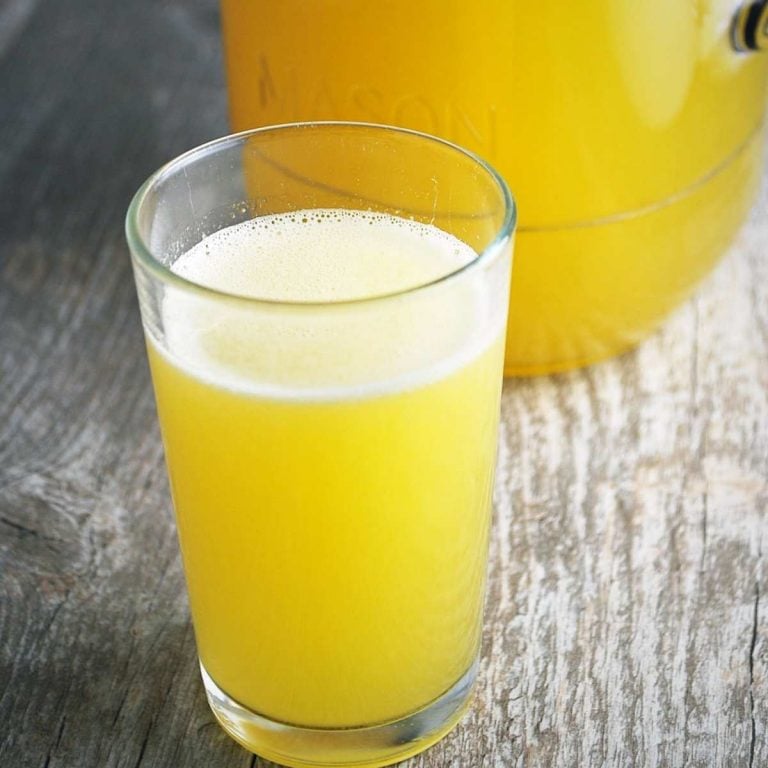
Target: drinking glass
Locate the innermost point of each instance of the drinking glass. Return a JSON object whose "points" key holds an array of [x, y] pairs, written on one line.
{"points": [[330, 458]]}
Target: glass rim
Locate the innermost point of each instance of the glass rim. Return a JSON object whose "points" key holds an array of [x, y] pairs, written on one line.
{"points": [[141, 251]]}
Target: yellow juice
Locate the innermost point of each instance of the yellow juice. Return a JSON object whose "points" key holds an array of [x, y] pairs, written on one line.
{"points": [[331, 476], [629, 132]]}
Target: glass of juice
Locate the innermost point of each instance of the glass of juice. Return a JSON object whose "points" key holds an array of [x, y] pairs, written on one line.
{"points": [[324, 308]]}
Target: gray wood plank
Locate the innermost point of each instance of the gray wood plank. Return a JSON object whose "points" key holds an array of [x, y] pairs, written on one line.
{"points": [[14, 14], [637, 492], [626, 620], [96, 654]]}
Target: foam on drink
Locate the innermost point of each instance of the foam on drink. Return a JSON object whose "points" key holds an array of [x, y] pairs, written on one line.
{"points": [[347, 348], [323, 256]]}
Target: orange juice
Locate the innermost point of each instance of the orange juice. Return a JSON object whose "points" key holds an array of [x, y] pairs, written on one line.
{"points": [[630, 133], [331, 478]]}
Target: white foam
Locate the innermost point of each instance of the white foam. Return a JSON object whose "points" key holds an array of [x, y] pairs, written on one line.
{"points": [[338, 351], [323, 255]]}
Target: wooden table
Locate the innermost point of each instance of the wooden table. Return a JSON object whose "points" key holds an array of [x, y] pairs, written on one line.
{"points": [[625, 624]]}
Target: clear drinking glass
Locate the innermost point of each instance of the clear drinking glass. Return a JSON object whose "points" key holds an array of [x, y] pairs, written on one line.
{"points": [[329, 417]]}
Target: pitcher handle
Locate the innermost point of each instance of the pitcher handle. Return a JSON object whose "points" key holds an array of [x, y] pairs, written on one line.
{"points": [[749, 29]]}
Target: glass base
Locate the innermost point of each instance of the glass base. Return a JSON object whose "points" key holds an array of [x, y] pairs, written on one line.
{"points": [[374, 745]]}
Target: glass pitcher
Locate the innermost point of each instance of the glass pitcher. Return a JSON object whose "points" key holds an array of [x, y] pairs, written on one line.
{"points": [[631, 133]]}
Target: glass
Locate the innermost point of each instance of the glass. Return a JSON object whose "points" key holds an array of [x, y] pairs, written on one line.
{"points": [[633, 132], [331, 459]]}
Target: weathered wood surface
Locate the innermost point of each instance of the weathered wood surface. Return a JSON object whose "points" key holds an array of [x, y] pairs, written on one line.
{"points": [[627, 619]]}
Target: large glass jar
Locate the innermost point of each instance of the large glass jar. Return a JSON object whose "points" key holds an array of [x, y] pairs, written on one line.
{"points": [[631, 134]]}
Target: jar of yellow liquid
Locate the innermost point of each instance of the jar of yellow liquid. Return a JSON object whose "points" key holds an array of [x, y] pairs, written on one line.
{"points": [[630, 132]]}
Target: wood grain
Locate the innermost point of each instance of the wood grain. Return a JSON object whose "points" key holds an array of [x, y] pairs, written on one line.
{"points": [[626, 620]]}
